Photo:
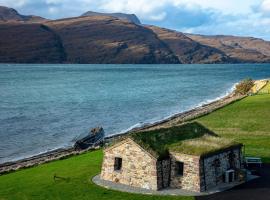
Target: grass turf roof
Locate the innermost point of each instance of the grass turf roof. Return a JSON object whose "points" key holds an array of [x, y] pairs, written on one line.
{"points": [[159, 142], [202, 146]]}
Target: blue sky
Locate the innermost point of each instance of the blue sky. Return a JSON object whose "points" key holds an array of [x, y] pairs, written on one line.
{"points": [[229, 17]]}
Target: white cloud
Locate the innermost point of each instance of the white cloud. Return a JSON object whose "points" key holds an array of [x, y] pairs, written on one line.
{"points": [[53, 10], [158, 17], [263, 8], [266, 5], [140, 7], [13, 3]]}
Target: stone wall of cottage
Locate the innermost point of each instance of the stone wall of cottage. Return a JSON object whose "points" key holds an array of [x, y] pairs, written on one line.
{"points": [[215, 167], [191, 175], [139, 169]]}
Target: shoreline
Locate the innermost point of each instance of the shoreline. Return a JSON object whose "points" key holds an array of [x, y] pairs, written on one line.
{"points": [[186, 115], [138, 126], [175, 119]]}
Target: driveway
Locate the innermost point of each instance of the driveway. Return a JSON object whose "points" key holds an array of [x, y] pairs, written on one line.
{"points": [[257, 189]]}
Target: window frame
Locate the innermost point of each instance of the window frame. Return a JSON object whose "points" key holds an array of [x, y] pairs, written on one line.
{"points": [[118, 163], [179, 169]]}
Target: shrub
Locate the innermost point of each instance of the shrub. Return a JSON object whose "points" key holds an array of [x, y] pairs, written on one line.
{"points": [[244, 86]]}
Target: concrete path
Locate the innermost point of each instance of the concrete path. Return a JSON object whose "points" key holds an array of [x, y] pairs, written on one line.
{"points": [[167, 191]]}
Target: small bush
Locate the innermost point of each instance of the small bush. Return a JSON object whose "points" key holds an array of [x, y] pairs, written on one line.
{"points": [[244, 86]]}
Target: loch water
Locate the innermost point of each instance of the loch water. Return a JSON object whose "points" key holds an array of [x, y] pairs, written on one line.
{"points": [[44, 107]]}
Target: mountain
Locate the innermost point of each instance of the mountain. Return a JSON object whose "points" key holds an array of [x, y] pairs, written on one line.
{"points": [[10, 14], [36, 44], [116, 38], [122, 16], [242, 49], [188, 50], [104, 39]]}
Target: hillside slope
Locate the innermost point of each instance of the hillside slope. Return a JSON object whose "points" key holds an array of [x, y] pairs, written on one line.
{"points": [[10, 14], [116, 38], [243, 49], [36, 44], [103, 39], [189, 51], [123, 16]]}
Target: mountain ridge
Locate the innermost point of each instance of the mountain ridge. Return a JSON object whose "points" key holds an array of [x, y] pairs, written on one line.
{"points": [[122, 16], [103, 38], [10, 14]]}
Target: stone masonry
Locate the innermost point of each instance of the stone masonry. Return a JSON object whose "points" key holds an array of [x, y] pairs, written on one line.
{"points": [[142, 169], [191, 176], [204, 173], [216, 165], [139, 168]]}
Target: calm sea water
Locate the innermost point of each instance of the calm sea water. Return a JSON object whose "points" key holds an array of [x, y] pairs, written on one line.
{"points": [[43, 107]]}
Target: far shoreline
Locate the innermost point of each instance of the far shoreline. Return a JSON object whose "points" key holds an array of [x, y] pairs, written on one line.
{"points": [[173, 120]]}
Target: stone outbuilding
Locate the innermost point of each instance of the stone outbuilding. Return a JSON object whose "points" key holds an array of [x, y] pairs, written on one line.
{"points": [[189, 157]]}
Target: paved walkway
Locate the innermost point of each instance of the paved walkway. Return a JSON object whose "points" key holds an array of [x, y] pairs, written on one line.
{"points": [[167, 191]]}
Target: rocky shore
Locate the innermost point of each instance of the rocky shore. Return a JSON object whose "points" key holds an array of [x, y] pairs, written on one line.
{"points": [[174, 120]]}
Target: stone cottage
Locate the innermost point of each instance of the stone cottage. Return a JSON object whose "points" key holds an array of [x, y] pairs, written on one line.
{"points": [[189, 157]]}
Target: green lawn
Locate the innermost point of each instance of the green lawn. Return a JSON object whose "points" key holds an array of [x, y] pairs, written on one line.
{"points": [[38, 183], [265, 89], [246, 121]]}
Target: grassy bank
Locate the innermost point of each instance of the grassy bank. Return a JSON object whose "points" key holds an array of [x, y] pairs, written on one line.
{"points": [[38, 182], [265, 89], [246, 121]]}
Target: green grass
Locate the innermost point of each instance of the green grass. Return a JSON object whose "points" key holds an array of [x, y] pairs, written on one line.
{"points": [[37, 183], [202, 146], [246, 121], [265, 89], [157, 142]]}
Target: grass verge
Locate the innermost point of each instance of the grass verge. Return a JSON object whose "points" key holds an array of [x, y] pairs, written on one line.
{"points": [[246, 121], [38, 182]]}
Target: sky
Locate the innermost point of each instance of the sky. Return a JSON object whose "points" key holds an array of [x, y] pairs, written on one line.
{"points": [[209, 17]]}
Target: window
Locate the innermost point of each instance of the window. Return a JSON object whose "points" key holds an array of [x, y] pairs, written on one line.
{"points": [[179, 168], [216, 163], [117, 163], [232, 160]]}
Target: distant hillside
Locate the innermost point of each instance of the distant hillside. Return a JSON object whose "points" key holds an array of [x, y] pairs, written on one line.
{"points": [[128, 17], [36, 43], [103, 39], [116, 38], [243, 49], [188, 50], [10, 14]]}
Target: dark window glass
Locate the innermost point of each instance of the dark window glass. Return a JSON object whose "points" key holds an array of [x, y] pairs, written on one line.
{"points": [[117, 163], [179, 168], [216, 163]]}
